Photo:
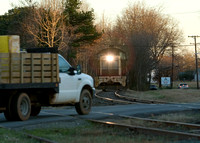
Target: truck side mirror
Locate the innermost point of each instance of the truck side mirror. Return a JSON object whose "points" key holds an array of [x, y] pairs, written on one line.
{"points": [[70, 71], [78, 68]]}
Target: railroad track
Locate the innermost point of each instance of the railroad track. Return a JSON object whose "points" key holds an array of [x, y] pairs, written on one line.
{"points": [[140, 129], [37, 138], [115, 97], [109, 96], [185, 131], [44, 140], [117, 120]]}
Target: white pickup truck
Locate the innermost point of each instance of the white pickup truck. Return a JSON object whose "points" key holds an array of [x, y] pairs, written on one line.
{"points": [[29, 81]]}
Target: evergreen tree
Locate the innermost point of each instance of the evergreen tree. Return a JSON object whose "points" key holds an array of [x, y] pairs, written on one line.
{"points": [[11, 23], [84, 32]]}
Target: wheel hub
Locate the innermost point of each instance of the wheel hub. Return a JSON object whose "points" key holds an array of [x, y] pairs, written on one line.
{"points": [[24, 107]]}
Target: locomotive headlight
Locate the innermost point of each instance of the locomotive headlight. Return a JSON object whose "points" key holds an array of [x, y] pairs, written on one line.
{"points": [[109, 58]]}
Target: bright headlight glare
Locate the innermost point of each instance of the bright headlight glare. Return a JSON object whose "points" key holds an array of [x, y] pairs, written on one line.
{"points": [[109, 58]]}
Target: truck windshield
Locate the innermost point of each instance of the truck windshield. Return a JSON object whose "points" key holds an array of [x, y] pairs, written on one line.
{"points": [[63, 65]]}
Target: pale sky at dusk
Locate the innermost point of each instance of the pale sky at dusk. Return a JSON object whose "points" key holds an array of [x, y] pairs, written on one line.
{"points": [[186, 12]]}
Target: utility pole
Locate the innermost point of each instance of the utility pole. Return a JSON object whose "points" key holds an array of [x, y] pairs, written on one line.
{"points": [[173, 45], [172, 75], [195, 44]]}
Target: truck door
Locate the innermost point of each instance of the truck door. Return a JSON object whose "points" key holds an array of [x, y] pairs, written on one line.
{"points": [[68, 84]]}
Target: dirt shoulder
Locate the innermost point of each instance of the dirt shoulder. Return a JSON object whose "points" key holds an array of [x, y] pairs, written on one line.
{"points": [[167, 95]]}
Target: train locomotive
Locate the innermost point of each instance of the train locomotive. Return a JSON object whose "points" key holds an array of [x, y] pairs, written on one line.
{"points": [[111, 63]]}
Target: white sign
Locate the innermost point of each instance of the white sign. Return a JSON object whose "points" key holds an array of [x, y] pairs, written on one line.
{"points": [[165, 81]]}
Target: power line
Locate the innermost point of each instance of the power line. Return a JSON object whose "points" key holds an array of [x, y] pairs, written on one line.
{"points": [[189, 12]]}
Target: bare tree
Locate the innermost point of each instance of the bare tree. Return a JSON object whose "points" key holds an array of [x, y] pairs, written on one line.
{"points": [[46, 24], [147, 32]]}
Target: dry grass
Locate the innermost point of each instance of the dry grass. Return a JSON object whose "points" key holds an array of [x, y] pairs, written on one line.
{"points": [[168, 95], [186, 116], [93, 133], [11, 136]]}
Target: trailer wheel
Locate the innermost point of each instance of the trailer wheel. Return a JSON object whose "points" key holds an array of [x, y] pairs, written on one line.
{"points": [[35, 110], [85, 103], [22, 106]]}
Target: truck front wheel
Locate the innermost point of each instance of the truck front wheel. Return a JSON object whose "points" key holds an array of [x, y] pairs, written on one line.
{"points": [[85, 103], [22, 106]]}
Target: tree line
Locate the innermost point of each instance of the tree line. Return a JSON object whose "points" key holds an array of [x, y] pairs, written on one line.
{"points": [[51, 23], [143, 32]]}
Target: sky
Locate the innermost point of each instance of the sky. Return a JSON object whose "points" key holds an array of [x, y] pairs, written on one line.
{"points": [[185, 12]]}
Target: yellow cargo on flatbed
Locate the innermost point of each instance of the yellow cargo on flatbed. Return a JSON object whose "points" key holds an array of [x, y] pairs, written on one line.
{"points": [[9, 44], [4, 44]]}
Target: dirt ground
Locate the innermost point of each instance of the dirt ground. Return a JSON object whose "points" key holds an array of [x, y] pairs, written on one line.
{"points": [[167, 95]]}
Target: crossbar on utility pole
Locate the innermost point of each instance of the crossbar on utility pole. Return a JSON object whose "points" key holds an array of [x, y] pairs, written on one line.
{"points": [[195, 44]]}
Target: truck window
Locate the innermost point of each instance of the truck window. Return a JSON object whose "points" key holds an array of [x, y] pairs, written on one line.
{"points": [[63, 65]]}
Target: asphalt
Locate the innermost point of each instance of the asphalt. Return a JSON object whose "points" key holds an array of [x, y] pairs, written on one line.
{"points": [[48, 115]]}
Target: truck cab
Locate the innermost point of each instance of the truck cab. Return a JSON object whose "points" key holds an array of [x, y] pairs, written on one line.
{"points": [[74, 87]]}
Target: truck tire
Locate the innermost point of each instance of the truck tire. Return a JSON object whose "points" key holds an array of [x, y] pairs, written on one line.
{"points": [[21, 106], [35, 110], [85, 103], [8, 113]]}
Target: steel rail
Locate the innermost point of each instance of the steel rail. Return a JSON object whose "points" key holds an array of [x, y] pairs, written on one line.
{"points": [[39, 138], [188, 125], [130, 99], [153, 131], [114, 100]]}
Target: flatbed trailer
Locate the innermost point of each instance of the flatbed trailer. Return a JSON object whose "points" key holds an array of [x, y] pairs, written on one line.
{"points": [[27, 76], [20, 68]]}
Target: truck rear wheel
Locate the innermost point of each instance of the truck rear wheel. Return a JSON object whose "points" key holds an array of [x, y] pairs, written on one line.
{"points": [[85, 103], [21, 106], [9, 110]]}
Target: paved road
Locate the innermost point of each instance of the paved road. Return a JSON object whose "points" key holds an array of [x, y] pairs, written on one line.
{"points": [[69, 114]]}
